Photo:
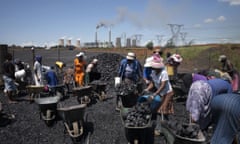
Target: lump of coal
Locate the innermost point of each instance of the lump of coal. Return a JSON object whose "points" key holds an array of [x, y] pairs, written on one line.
{"points": [[138, 116], [184, 130]]}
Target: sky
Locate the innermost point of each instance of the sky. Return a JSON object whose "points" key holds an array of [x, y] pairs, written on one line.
{"points": [[44, 22]]}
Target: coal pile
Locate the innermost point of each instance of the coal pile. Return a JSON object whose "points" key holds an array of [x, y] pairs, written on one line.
{"points": [[138, 116], [185, 130]]}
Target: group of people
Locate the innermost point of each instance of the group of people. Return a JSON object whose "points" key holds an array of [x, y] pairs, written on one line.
{"points": [[45, 75], [159, 91], [212, 100]]}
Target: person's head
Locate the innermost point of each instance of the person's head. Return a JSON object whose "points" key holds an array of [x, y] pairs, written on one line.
{"points": [[157, 65], [222, 58], [213, 75], [131, 56], [95, 61], [177, 58], [157, 51], [80, 55], [38, 58]]}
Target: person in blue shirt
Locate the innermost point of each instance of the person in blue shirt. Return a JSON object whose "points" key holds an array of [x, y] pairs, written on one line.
{"points": [[51, 77], [147, 70], [130, 68]]}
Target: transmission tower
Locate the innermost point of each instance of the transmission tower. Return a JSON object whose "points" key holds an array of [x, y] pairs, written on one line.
{"points": [[159, 39], [183, 37], [138, 38], [175, 29]]}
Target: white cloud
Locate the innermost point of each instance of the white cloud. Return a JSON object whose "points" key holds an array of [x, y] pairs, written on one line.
{"points": [[208, 20], [221, 18], [231, 2]]}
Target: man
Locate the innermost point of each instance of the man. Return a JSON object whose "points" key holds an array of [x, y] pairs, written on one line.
{"points": [[51, 77], [9, 78], [228, 67], [91, 72], [79, 69]]}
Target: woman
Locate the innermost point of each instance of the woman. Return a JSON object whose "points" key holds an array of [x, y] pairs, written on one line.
{"points": [[200, 97], [162, 97], [37, 68]]}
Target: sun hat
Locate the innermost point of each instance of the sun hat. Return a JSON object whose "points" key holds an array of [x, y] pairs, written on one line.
{"points": [[177, 58], [80, 54], [157, 63], [131, 56], [222, 57], [148, 62]]}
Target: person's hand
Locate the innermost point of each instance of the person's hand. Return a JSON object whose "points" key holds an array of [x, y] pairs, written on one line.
{"points": [[150, 98], [145, 91]]}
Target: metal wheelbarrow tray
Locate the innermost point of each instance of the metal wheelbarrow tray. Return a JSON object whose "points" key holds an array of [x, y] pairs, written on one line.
{"points": [[73, 118], [99, 89], [84, 94], [48, 108], [136, 133], [174, 138], [34, 91]]}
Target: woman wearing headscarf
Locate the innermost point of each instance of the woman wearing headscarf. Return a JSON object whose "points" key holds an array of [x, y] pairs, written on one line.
{"points": [[200, 102], [37, 69]]}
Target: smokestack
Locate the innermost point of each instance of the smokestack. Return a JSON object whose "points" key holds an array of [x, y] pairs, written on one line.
{"points": [[110, 36]]}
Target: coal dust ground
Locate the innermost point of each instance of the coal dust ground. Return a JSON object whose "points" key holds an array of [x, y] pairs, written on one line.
{"points": [[103, 125]]}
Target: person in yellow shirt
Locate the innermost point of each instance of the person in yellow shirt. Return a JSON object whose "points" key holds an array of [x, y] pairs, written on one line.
{"points": [[79, 69]]}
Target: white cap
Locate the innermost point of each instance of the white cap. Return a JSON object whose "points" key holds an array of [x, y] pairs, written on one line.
{"points": [[80, 54]]}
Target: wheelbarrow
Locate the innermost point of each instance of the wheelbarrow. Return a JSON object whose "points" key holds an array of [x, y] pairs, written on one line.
{"points": [[60, 89], [173, 138], [83, 94], [136, 133], [73, 119], [48, 108], [99, 89], [34, 91]]}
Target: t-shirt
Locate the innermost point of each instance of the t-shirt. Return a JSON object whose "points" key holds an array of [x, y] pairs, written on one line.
{"points": [[159, 78]]}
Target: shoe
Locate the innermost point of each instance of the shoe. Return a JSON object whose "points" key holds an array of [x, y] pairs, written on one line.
{"points": [[157, 133]]}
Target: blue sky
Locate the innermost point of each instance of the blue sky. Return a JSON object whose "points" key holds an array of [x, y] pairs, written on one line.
{"points": [[44, 22]]}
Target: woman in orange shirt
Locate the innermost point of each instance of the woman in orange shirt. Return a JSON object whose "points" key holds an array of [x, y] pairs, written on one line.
{"points": [[79, 69]]}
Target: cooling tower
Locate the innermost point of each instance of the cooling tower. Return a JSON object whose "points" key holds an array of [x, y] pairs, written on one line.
{"points": [[118, 42], [61, 42], [134, 43], [128, 45], [78, 44]]}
